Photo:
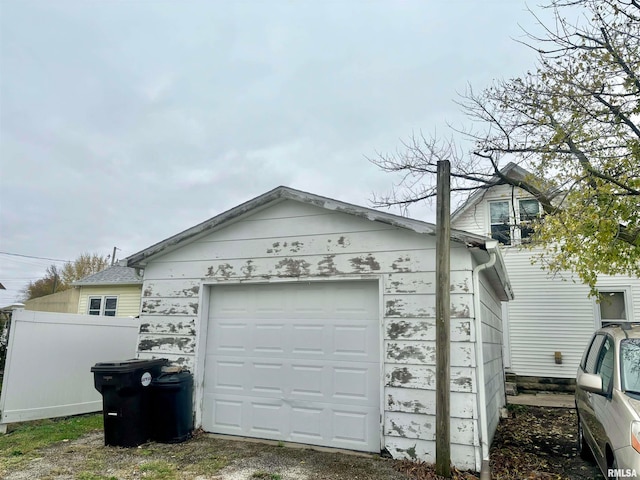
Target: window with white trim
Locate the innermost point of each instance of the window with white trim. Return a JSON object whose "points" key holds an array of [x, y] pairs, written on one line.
{"points": [[528, 210], [511, 225], [106, 306], [613, 305], [500, 222]]}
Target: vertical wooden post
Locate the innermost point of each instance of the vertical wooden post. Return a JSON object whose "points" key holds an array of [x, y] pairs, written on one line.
{"points": [[443, 311]]}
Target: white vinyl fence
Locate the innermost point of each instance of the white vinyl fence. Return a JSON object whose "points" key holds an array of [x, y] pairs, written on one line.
{"points": [[49, 359]]}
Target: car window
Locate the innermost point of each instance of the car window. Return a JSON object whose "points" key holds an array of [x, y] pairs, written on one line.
{"points": [[630, 364], [605, 364], [591, 358]]}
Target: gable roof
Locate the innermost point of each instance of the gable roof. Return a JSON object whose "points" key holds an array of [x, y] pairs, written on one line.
{"points": [[280, 194], [511, 170], [113, 275]]}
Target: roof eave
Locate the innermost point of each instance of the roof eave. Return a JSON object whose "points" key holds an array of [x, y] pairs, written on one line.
{"points": [[498, 271], [100, 284]]}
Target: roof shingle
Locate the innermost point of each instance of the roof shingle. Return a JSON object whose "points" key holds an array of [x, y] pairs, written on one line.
{"points": [[114, 275]]}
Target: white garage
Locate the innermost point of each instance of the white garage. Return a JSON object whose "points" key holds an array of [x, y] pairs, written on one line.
{"points": [[309, 320], [295, 362]]}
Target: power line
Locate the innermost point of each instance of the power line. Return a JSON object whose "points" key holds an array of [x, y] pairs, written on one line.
{"points": [[32, 256]]}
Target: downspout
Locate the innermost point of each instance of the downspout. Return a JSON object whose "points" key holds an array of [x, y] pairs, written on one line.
{"points": [[485, 471]]}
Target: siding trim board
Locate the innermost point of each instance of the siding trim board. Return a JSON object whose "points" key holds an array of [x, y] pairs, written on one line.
{"points": [[179, 281]]}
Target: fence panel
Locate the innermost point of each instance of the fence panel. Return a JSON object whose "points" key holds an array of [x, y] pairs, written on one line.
{"points": [[49, 359]]}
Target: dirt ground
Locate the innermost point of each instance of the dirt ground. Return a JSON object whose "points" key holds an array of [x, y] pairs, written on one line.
{"points": [[541, 443], [533, 443]]}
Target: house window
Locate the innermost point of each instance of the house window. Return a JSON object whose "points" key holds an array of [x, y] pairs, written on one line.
{"points": [[529, 210], [509, 225], [103, 306], [500, 224], [613, 306]]}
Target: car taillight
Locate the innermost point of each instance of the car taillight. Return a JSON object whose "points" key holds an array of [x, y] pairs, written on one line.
{"points": [[635, 436]]}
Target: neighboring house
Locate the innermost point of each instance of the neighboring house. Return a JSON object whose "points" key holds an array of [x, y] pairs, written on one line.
{"points": [[310, 320], [114, 292], [549, 323]]}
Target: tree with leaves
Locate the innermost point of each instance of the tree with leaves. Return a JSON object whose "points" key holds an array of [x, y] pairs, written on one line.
{"points": [[86, 264], [56, 281], [48, 284], [573, 122]]}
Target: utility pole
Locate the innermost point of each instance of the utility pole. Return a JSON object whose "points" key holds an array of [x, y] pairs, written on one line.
{"points": [[443, 320], [113, 256]]}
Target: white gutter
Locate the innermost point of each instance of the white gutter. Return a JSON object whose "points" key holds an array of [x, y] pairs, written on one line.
{"points": [[485, 472]]}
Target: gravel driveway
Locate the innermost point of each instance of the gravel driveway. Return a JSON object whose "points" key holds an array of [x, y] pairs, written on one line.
{"points": [[202, 457], [533, 442]]}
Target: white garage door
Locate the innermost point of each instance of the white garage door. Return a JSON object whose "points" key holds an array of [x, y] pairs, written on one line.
{"points": [[295, 362]]}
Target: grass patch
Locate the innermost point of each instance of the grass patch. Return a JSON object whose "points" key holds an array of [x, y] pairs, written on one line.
{"points": [[209, 466], [159, 470], [266, 476], [517, 409], [197, 458], [30, 436], [93, 476], [25, 438]]}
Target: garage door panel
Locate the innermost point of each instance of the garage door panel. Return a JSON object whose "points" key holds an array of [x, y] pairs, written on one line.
{"points": [[286, 300], [295, 362], [308, 424], [350, 426], [268, 339], [307, 382], [351, 384], [230, 375], [267, 419], [321, 424], [346, 383], [230, 338], [226, 414], [266, 378], [346, 342], [351, 341]]}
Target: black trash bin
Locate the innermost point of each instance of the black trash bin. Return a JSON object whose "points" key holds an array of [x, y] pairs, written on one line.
{"points": [[172, 406], [126, 399]]}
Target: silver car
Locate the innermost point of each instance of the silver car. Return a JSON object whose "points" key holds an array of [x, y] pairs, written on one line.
{"points": [[608, 401]]}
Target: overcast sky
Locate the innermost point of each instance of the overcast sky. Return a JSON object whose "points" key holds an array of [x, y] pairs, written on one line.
{"points": [[125, 122]]}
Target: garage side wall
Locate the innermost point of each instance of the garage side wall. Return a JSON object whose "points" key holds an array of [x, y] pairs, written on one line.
{"points": [[292, 240], [491, 321]]}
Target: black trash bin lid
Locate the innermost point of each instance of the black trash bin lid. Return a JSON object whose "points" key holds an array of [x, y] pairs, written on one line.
{"points": [[123, 366], [172, 378]]}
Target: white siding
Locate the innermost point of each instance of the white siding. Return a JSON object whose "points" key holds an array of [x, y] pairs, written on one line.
{"points": [[290, 241], [475, 219], [552, 314], [549, 314], [491, 318]]}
